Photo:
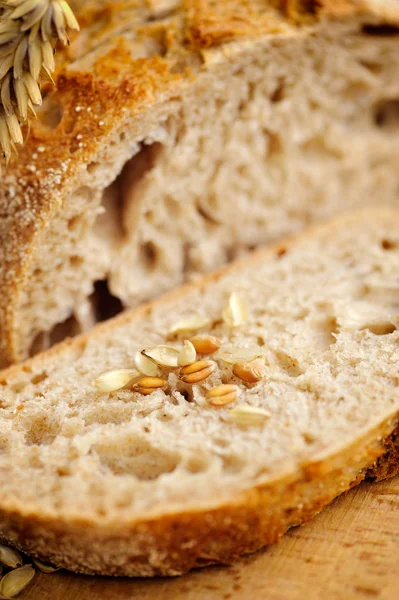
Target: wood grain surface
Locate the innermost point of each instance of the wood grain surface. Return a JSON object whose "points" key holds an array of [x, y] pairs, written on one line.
{"points": [[349, 551]]}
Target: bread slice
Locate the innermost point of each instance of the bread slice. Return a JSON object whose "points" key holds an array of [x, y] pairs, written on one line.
{"points": [[130, 484], [202, 129]]}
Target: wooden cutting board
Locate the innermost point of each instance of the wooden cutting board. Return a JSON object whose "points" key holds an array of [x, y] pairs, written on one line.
{"points": [[348, 552]]}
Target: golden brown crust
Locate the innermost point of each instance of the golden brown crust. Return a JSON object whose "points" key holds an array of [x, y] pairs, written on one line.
{"points": [[174, 543], [91, 103]]}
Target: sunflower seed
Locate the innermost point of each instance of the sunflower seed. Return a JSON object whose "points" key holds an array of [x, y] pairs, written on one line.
{"points": [[146, 366], [43, 567], [193, 323], [236, 312], [15, 581], [115, 380], [165, 356], [232, 354], [10, 557], [187, 354], [248, 416]]}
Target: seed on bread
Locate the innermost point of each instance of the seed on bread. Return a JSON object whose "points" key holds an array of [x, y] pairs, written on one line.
{"points": [[233, 354], [115, 380], [205, 344], [164, 356], [187, 354], [198, 371], [146, 366], [236, 312], [192, 323], [147, 385], [223, 394], [248, 416], [249, 371]]}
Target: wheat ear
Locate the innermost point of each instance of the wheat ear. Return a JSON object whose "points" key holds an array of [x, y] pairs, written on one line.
{"points": [[29, 32]]}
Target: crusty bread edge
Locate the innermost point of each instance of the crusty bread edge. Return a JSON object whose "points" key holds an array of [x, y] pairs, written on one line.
{"points": [[173, 543], [176, 543]]}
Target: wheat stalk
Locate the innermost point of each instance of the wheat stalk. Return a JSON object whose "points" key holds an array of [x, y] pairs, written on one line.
{"points": [[29, 31]]}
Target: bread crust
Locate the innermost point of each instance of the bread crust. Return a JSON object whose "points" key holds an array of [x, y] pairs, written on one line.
{"points": [[175, 543], [92, 103], [171, 544]]}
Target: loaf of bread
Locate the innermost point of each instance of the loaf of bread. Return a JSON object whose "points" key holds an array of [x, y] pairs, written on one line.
{"points": [[182, 134], [173, 471]]}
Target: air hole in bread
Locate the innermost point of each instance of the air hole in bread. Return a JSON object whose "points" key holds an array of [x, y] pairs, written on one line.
{"points": [[382, 328], [282, 251], [105, 305], [203, 562], [50, 113], [374, 67], [76, 261], [388, 244], [74, 223], [324, 332], [68, 328], [163, 416], [92, 167], [41, 428], [275, 144], [18, 386], [149, 255], [386, 115], [279, 93], [45, 339], [232, 463], [131, 455], [382, 30], [137, 167], [205, 211], [197, 464], [39, 377], [288, 363], [112, 413]]}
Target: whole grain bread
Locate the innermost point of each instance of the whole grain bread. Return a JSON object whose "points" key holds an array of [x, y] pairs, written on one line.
{"points": [[131, 484], [181, 135]]}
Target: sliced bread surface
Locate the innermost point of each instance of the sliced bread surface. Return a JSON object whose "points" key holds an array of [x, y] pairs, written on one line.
{"points": [[126, 483], [182, 134]]}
